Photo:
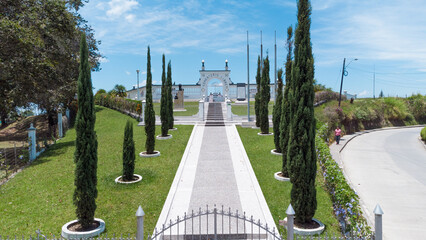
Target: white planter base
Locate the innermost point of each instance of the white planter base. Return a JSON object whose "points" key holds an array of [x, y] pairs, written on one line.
{"points": [[265, 134], [67, 234], [172, 129], [118, 180], [273, 152], [179, 110], [308, 232], [159, 137], [279, 178], [145, 155]]}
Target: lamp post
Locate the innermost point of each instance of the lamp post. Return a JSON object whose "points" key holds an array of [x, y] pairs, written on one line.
{"points": [[137, 90], [344, 73]]}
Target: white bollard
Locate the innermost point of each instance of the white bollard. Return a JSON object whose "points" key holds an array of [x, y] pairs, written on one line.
{"points": [[378, 212], [139, 217], [143, 110], [290, 222]]}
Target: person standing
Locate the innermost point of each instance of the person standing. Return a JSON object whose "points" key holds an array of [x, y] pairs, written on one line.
{"points": [[337, 134]]}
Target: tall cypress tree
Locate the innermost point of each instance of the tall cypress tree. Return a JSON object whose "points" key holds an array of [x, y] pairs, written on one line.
{"points": [[265, 96], [149, 111], [164, 103], [276, 115], [128, 152], [257, 96], [169, 96], [86, 144], [285, 112], [301, 147]]}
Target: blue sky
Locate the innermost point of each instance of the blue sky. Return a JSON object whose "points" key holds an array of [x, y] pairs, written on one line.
{"points": [[387, 37]]}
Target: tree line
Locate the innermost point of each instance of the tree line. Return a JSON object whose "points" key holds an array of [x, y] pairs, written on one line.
{"points": [[39, 54]]}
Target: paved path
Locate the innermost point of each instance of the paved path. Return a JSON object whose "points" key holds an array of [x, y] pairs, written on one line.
{"points": [[388, 167], [215, 170]]}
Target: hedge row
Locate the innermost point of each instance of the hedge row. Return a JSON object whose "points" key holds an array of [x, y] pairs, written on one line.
{"points": [[126, 106], [423, 134], [345, 200]]}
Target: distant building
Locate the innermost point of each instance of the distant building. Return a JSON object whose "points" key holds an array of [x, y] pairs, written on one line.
{"points": [[201, 89]]}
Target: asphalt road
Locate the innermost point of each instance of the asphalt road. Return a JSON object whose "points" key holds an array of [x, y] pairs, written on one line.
{"points": [[389, 168]]}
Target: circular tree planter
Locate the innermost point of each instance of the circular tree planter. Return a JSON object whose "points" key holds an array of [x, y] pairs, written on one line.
{"points": [[159, 137], [308, 232], [278, 176], [138, 179], [172, 129], [70, 234], [146, 155], [265, 134], [274, 152]]}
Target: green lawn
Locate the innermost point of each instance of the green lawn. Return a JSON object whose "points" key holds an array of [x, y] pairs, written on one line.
{"points": [[241, 110], [277, 193], [40, 197], [191, 109]]}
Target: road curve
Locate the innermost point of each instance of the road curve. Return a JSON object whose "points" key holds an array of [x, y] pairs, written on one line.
{"points": [[389, 168]]}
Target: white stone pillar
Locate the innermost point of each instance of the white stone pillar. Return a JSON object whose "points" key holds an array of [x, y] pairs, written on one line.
{"points": [[60, 130], [32, 142], [201, 110], [228, 110], [143, 110]]}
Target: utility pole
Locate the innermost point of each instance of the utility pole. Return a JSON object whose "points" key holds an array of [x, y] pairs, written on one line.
{"points": [[275, 83], [137, 73], [341, 82], [374, 82], [248, 80], [261, 52]]}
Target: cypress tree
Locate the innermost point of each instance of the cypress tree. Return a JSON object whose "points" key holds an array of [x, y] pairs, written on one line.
{"points": [[257, 96], [276, 115], [301, 147], [128, 152], [149, 111], [265, 96], [169, 96], [164, 103], [285, 112], [86, 144]]}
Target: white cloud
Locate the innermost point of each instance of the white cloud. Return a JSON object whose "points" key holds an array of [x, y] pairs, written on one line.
{"points": [[103, 60], [127, 72], [119, 7], [363, 93]]}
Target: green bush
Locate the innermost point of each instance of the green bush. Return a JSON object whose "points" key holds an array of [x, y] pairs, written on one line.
{"points": [[417, 106], [423, 134], [394, 108], [345, 200]]}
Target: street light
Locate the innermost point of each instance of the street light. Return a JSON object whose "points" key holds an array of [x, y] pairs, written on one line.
{"points": [[137, 90], [344, 73]]}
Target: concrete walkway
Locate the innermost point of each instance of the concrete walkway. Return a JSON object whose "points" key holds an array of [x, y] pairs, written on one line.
{"points": [[214, 170]]}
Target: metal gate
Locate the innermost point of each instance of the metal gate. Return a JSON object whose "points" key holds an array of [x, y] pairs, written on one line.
{"points": [[215, 224]]}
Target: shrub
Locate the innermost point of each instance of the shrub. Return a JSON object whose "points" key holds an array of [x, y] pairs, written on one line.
{"points": [[417, 106], [345, 200], [394, 109], [128, 152], [423, 134]]}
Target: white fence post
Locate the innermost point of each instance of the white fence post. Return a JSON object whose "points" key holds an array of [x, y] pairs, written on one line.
{"points": [[378, 212], [290, 222], [143, 110], [32, 142], [201, 110], [139, 218], [60, 129]]}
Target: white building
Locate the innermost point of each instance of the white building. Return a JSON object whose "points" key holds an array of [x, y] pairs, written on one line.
{"points": [[222, 85]]}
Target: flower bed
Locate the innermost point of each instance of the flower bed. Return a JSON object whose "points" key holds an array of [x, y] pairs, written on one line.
{"points": [[345, 200]]}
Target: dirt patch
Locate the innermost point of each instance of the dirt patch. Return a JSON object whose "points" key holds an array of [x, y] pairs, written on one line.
{"points": [[18, 131], [76, 227], [308, 225]]}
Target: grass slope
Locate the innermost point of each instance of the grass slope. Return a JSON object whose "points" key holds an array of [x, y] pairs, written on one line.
{"points": [[40, 197], [277, 194]]}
